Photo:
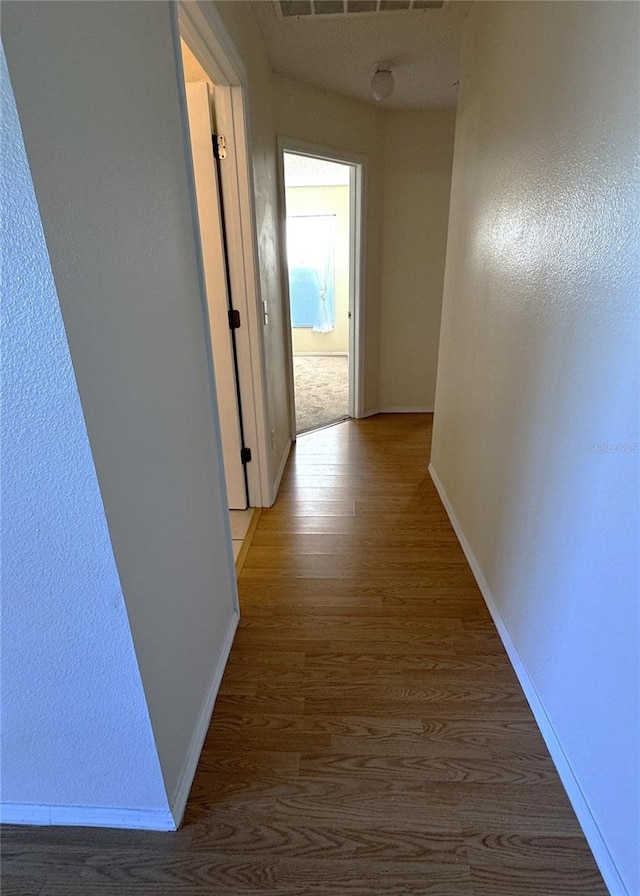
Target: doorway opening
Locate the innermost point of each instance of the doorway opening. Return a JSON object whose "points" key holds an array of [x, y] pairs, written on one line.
{"points": [[207, 56], [322, 251], [200, 91], [199, 94]]}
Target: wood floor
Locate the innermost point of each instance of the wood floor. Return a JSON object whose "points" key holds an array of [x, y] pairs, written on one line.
{"points": [[370, 736]]}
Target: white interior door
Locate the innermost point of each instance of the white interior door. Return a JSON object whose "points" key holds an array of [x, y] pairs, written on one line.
{"points": [[215, 275]]}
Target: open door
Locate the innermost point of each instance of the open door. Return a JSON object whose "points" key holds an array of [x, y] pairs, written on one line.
{"points": [[217, 289]]}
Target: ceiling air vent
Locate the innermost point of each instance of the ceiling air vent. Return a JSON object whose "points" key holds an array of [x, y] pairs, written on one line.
{"points": [[288, 9]]}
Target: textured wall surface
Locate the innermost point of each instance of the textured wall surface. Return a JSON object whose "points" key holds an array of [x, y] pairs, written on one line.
{"points": [[76, 730], [536, 426], [417, 184], [100, 81]]}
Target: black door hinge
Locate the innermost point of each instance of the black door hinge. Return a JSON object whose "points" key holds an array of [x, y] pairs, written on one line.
{"points": [[234, 319], [245, 455], [219, 146]]}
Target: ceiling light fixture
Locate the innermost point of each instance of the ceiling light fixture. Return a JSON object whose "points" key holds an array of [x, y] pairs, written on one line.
{"points": [[382, 83]]}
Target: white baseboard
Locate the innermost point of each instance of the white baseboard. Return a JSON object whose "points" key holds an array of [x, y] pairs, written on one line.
{"points": [[147, 819], [91, 817], [320, 354], [179, 801], [280, 474], [405, 411], [373, 412], [569, 780]]}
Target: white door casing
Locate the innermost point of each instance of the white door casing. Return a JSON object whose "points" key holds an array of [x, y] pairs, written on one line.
{"points": [[215, 277], [357, 249], [202, 28]]}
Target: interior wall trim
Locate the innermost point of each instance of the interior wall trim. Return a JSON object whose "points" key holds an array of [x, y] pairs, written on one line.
{"points": [[178, 801], [151, 819], [206, 35], [395, 410], [358, 189], [87, 816], [280, 473], [561, 761]]}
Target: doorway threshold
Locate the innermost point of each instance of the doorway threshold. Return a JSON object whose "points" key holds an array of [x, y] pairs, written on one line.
{"points": [[306, 432]]}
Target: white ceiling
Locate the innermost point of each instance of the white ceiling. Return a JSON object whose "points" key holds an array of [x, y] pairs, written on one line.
{"points": [[340, 52]]}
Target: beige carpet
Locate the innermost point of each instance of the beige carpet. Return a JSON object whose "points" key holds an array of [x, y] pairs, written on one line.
{"points": [[322, 390]]}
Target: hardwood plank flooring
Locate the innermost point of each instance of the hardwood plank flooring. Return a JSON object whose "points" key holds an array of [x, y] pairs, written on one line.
{"points": [[370, 736]]}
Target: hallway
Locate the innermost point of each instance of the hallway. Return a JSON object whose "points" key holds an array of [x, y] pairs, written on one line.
{"points": [[370, 736]]}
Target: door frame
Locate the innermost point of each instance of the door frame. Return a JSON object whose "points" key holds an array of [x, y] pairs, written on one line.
{"points": [[357, 209], [215, 269], [206, 36]]}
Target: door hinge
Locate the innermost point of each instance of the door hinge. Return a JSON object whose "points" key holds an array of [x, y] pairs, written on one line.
{"points": [[245, 455], [220, 146], [234, 319]]}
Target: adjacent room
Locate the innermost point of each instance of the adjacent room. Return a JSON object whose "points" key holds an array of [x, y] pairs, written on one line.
{"points": [[320, 258]]}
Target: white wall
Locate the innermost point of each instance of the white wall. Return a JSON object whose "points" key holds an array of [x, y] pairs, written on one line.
{"points": [[319, 116], [72, 697], [409, 157], [98, 95], [538, 370], [417, 183], [407, 192]]}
